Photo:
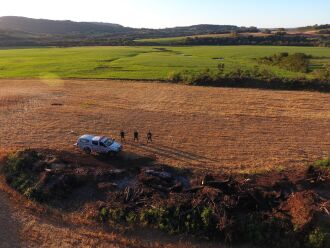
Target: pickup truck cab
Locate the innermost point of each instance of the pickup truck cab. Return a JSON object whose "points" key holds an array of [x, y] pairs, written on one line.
{"points": [[99, 144]]}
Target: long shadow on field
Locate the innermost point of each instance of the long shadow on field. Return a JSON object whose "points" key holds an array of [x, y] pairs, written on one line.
{"points": [[173, 153], [159, 153], [181, 153], [126, 160]]}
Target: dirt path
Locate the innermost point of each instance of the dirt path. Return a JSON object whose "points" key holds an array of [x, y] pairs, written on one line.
{"points": [[9, 236]]}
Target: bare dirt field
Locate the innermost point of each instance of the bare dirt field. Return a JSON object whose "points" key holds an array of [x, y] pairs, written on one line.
{"points": [[238, 130]]}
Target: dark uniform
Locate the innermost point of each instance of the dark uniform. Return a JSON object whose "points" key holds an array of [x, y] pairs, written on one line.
{"points": [[149, 137], [136, 135], [122, 135]]}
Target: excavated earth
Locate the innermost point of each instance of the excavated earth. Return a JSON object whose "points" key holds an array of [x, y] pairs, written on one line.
{"points": [[77, 182]]}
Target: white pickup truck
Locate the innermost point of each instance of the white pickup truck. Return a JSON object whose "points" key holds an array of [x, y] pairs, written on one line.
{"points": [[99, 144]]}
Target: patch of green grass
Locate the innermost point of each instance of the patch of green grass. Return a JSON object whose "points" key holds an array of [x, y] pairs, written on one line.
{"points": [[177, 40], [154, 63], [319, 238], [323, 163], [162, 41]]}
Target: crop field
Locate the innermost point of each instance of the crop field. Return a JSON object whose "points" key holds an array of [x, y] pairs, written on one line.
{"points": [[154, 63], [239, 130]]}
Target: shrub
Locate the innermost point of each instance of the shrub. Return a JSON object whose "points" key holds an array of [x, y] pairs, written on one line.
{"points": [[221, 68], [323, 74], [177, 219], [298, 62], [104, 214], [202, 78], [318, 239], [267, 232], [175, 77], [323, 163], [207, 217], [131, 217], [19, 175], [116, 215]]}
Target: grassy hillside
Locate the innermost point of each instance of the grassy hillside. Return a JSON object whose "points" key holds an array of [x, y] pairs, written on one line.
{"points": [[140, 62]]}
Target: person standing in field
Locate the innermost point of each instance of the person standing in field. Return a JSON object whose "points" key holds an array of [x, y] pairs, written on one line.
{"points": [[122, 135], [149, 137], [136, 136]]}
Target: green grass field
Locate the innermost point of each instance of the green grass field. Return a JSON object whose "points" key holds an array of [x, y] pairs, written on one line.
{"points": [[177, 40], [139, 62]]}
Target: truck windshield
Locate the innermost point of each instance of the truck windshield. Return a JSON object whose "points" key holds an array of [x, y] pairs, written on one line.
{"points": [[108, 142]]}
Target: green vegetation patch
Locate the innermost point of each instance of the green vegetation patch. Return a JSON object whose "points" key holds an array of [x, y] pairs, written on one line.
{"points": [[22, 172], [26, 171], [259, 229], [323, 163], [151, 63], [298, 62], [251, 78]]}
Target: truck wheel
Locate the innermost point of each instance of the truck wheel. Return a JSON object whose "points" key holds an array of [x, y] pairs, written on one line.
{"points": [[87, 150]]}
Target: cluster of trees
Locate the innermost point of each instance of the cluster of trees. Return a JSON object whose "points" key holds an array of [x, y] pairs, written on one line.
{"points": [[315, 27], [324, 31], [252, 78], [15, 39], [324, 26], [298, 62], [279, 39], [323, 74]]}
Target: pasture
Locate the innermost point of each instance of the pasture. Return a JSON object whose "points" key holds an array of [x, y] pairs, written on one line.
{"points": [[151, 63]]}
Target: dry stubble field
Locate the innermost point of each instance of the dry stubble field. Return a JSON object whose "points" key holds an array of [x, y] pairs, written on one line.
{"points": [[239, 130]]}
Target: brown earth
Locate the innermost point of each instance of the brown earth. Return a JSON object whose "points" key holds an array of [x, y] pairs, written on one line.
{"points": [[24, 223], [238, 130], [218, 129], [300, 194], [9, 235]]}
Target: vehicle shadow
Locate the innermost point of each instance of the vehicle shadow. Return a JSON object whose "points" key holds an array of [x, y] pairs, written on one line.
{"points": [[126, 160], [77, 158]]}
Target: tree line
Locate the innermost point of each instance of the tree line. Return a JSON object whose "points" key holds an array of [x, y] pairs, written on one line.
{"points": [[256, 77], [272, 40]]}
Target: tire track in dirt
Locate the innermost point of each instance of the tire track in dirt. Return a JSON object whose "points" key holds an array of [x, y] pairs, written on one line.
{"points": [[9, 236]]}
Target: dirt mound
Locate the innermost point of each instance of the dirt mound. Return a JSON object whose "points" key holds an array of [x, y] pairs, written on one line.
{"points": [[173, 200], [301, 206]]}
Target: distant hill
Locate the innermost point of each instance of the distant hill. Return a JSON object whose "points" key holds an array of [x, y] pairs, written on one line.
{"points": [[22, 31], [41, 26]]}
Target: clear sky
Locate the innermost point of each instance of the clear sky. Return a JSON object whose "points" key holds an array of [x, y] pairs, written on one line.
{"points": [[169, 13]]}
